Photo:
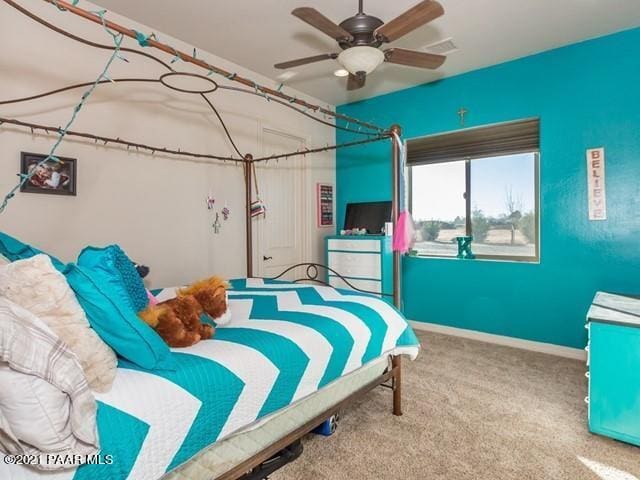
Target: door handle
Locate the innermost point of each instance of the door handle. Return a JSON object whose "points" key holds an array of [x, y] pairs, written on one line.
{"points": [[265, 258]]}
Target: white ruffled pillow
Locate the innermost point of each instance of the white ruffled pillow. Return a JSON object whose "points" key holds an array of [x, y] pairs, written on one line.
{"points": [[45, 402], [37, 286]]}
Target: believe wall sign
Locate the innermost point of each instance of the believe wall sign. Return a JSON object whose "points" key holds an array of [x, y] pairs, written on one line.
{"points": [[596, 182]]}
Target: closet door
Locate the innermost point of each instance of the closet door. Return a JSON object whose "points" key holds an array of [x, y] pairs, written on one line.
{"points": [[279, 236]]}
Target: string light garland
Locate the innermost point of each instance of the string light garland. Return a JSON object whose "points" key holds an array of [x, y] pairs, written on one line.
{"points": [[288, 102], [150, 42], [117, 34], [62, 132]]}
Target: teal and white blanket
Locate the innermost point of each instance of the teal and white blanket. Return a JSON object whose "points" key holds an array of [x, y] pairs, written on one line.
{"points": [[285, 341]]}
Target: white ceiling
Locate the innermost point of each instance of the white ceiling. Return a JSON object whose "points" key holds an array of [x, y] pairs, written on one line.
{"points": [[258, 33]]}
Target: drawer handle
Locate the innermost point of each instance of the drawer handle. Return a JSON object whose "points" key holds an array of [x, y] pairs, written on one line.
{"points": [[586, 374], [587, 326], [586, 349], [586, 400]]}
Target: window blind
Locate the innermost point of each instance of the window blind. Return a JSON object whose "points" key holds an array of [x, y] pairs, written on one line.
{"points": [[491, 141]]}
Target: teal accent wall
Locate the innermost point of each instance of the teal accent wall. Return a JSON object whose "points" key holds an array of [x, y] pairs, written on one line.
{"points": [[586, 95]]}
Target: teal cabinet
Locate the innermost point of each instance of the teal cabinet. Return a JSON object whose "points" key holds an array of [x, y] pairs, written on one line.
{"points": [[365, 261], [614, 367]]}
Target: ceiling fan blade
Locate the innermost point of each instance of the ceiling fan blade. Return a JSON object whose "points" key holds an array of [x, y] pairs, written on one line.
{"points": [[412, 58], [322, 23], [356, 81], [306, 60], [422, 13]]}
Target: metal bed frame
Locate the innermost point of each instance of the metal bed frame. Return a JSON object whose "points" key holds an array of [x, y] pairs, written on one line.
{"points": [[392, 377]]}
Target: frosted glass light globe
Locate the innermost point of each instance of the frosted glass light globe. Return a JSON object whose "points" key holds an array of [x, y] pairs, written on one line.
{"points": [[361, 59]]}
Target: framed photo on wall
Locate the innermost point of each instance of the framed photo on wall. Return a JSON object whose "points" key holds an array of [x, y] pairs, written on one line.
{"points": [[56, 178], [325, 204]]}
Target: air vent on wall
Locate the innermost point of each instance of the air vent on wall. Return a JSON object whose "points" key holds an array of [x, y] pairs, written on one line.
{"points": [[443, 47]]}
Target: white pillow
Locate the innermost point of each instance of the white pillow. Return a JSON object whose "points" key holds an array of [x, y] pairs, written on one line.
{"points": [[45, 402], [32, 408], [37, 286]]}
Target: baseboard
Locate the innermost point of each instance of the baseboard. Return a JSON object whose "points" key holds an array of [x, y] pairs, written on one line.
{"points": [[548, 348]]}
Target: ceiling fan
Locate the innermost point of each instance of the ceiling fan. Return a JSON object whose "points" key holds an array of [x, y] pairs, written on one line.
{"points": [[361, 36]]}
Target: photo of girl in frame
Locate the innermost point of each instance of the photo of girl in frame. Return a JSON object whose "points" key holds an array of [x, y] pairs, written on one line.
{"points": [[58, 178]]}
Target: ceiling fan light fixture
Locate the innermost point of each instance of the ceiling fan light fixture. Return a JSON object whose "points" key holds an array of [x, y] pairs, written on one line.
{"points": [[361, 59], [341, 72]]}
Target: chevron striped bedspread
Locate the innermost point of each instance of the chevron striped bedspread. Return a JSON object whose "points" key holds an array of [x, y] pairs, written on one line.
{"points": [[285, 341]]}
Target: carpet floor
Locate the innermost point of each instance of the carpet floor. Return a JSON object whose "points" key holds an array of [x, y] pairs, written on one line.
{"points": [[472, 410]]}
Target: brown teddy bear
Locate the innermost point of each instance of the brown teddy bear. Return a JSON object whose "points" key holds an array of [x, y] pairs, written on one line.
{"points": [[177, 320]]}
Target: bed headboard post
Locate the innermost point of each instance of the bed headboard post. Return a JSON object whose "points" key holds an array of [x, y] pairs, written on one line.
{"points": [[396, 175], [248, 158]]}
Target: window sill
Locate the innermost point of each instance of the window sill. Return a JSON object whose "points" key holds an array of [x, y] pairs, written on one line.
{"points": [[480, 258]]}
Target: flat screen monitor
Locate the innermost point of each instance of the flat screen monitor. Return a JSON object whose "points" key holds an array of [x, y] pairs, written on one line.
{"points": [[368, 215]]}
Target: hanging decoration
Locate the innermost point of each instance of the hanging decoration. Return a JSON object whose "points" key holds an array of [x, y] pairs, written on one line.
{"points": [[226, 213], [257, 206], [216, 224], [462, 115], [404, 235]]}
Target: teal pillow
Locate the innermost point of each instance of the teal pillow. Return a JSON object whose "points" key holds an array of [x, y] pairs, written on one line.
{"points": [[113, 263], [13, 249], [112, 317]]}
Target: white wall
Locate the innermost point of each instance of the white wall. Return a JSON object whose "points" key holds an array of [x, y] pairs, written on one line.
{"points": [[153, 206]]}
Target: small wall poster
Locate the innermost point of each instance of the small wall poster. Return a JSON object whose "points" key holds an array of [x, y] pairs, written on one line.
{"points": [[325, 205], [596, 183]]}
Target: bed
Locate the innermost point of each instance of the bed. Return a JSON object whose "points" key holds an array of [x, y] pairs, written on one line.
{"points": [[292, 354]]}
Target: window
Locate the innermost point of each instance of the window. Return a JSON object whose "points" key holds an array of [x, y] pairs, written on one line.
{"points": [[493, 197]]}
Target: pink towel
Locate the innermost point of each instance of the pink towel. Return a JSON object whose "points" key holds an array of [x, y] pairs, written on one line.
{"points": [[404, 234]]}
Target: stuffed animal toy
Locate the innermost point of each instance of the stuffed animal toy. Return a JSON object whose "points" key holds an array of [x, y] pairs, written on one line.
{"points": [[178, 321]]}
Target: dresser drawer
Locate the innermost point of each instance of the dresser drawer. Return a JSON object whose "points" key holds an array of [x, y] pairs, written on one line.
{"points": [[373, 286], [614, 381], [361, 245], [358, 265]]}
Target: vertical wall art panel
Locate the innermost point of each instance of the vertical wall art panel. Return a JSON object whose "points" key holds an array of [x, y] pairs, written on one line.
{"points": [[325, 205], [596, 182]]}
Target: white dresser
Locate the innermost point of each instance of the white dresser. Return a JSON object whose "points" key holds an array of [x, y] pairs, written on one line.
{"points": [[365, 261]]}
